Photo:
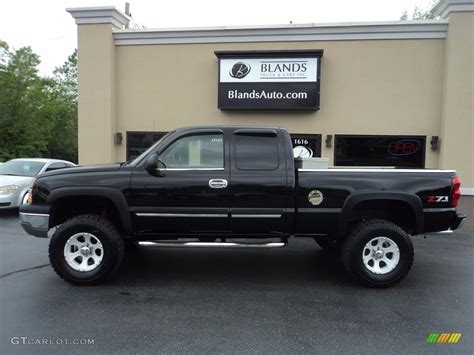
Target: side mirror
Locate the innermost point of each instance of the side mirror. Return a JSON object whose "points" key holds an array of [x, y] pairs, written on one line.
{"points": [[153, 165]]}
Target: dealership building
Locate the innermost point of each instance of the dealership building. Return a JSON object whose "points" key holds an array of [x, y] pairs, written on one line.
{"points": [[360, 94]]}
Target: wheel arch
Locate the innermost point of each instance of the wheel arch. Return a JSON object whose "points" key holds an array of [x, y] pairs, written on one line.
{"points": [[380, 201], [114, 196]]}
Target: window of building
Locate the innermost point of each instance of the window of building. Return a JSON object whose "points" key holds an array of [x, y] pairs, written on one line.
{"points": [[397, 151], [256, 152], [138, 142], [196, 151], [306, 145]]}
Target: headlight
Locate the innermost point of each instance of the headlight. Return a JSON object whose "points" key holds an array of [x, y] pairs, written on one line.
{"points": [[7, 190], [29, 200]]}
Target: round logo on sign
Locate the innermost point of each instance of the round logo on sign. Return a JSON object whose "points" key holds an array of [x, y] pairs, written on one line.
{"points": [[315, 197], [239, 70], [302, 152]]}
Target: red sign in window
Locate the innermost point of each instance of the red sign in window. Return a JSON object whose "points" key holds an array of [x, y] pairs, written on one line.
{"points": [[404, 147]]}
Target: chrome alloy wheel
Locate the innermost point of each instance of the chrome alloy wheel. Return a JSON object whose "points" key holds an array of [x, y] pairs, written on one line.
{"points": [[83, 252], [381, 255]]}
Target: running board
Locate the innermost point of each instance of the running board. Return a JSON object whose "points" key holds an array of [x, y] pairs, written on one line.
{"points": [[228, 245]]}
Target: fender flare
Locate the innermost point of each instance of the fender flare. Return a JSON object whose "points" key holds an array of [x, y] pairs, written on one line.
{"points": [[412, 200], [112, 194]]}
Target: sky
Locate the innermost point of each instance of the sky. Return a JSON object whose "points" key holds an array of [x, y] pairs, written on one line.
{"points": [[45, 25]]}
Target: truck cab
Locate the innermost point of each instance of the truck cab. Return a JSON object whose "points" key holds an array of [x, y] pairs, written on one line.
{"points": [[215, 182]]}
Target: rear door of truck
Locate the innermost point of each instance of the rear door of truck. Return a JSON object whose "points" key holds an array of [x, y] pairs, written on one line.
{"points": [[261, 198]]}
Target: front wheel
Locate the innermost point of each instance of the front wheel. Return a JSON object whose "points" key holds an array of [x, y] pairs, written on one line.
{"points": [[86, 250], [378, 253]]}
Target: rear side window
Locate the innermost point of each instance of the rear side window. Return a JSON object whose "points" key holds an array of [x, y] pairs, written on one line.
{"points": [[253, 152]]}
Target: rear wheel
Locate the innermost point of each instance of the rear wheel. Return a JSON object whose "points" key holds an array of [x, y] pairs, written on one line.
{"points": [[86, 250], [378, 253]]}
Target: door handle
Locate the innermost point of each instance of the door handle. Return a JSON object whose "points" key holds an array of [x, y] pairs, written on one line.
{"points": [[218, 183]]}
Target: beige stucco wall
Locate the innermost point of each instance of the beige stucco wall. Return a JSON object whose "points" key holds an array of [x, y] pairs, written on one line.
{"points": [[96, 72], [405, 87], [457, 129], [367, 87]]}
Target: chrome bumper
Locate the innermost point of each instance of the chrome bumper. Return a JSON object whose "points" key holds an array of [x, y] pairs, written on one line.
{"points": [[35, 224]]}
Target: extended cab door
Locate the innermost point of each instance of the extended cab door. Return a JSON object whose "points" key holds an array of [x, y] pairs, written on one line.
{"points": [[260, 189], [190, 193]]}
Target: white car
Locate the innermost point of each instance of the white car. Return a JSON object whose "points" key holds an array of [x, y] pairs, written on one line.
{"points": [[17, 176]]}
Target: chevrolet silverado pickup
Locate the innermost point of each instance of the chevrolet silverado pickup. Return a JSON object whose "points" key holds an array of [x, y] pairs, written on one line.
{"points": [[236, 186]]}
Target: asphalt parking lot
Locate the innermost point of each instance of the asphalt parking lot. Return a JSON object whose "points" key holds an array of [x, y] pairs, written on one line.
{"points": [[292, 300]]}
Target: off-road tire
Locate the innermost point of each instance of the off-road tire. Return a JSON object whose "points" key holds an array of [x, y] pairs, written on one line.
{"points": [[361, 234], [102, 229]]}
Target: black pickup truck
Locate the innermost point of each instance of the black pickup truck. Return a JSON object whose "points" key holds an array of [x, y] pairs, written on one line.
{"points": [[216, 186]]}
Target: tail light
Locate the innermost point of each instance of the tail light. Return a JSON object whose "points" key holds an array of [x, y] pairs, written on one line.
{"points": [[456, 191]]}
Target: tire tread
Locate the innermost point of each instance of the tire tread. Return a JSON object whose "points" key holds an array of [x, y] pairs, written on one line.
{"points": [[114, 238], [352, 239]]}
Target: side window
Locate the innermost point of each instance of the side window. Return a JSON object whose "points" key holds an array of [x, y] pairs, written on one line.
{"points": [[55, 166], [197, 151], [253, 152]]}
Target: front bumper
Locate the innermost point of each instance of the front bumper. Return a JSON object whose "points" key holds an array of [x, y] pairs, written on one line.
{"points": [[10, 201], [35, 220]]}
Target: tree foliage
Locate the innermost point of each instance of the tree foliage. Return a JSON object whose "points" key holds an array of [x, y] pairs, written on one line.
{"points": [[38, 115], [420, 13]]}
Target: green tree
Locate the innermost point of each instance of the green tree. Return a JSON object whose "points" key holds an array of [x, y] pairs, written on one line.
{"points": [[20, 92], [38, 115], [421, 14], [62, 142]]}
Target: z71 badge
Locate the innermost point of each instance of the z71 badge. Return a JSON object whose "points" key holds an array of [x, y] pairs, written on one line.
{"points": [[437, 199]]}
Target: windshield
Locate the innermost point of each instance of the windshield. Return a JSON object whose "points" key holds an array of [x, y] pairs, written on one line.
{"points": [[138, 159], [21, 168]]}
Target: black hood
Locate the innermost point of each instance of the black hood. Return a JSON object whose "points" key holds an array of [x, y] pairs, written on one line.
{"points": [[84, 169]]}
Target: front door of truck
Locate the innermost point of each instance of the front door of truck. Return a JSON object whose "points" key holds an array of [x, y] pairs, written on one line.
{"points": [[190, 193]]}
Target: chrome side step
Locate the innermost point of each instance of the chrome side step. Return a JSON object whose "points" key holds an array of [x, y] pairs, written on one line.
{"points": [[229, 245]]}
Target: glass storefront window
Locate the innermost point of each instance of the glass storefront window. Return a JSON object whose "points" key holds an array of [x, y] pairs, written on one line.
{"points": [[306, 145], [138, 142], [397, 151]]}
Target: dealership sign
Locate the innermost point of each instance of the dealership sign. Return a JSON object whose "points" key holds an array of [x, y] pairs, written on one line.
{"points": [[269, 80]]}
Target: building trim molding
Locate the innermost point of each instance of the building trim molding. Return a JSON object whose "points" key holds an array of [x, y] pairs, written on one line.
{"points": [[99, 15], [467, 191], [429, 29], [445, 7]]}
